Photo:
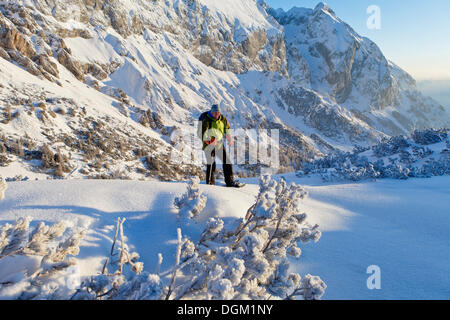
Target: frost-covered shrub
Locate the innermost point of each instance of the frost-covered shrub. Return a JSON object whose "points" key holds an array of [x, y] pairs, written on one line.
{"points": [[18, 239], [390, 146], [192, 202], [143, 286], [122, 256], [395, 158], [435, 168], [51, 246], [429, 136], [250, 259], [124, 279], [53, 278], [395, 171]]}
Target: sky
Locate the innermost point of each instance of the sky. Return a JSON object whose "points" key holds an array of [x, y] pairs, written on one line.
{"points": [[414, 34]]}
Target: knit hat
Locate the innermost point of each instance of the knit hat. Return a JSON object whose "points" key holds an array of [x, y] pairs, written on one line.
{"points": [[215, 108]]}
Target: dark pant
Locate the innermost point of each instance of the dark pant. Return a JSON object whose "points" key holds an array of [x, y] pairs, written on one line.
{"points": [[211, 165]]}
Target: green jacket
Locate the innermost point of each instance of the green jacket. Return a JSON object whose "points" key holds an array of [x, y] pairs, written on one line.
{"points": [[210, 127]]}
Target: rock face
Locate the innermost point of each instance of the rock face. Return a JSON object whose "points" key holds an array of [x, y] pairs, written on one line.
{"points": [[13, 40], [44, 61], [72, 65], [211, 36], [336, 61], [232, 45], [326, 55]]}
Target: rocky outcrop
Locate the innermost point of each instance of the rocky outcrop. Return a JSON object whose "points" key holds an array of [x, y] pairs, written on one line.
{"points": [[4, 54], [74, 33], [16, 46], [228, 45], [72, 65], [325, 117], [12, 39], [257, 50], [217, 41], [95, 70], [49, 66], [24, 61]]}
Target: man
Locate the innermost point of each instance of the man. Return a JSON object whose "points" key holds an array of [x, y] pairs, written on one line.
{"points": [[213, 128]]}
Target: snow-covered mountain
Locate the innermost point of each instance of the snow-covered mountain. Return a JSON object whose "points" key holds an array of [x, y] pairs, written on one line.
{"points": [[96, 88], [328, 56]]}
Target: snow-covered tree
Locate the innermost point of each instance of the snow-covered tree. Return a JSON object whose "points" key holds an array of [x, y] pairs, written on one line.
{"points": [[124, 279], [192, 202], [51, 245], [250, 260]]}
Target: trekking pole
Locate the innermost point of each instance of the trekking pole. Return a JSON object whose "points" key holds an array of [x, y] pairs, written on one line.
{"points": [[211, 169], [210, 174], [210, 166]]}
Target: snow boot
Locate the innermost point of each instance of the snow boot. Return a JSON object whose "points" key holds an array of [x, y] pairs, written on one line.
{"points": [[236, 184]]}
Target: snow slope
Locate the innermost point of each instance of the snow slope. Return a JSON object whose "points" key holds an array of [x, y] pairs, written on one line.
{"points": [[95, 205], [246, 12], [401, 226]]}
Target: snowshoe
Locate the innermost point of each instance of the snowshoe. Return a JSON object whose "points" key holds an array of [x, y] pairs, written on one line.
{"points": [[236, 184]]}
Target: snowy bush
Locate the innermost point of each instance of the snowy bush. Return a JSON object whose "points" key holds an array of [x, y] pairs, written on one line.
{"points": [[250, 259], [430, 136], [53, 277], [44, 252], [143, 286], [117, 282], [395, 158], [192, 202], [122, 256], [390, 146]]}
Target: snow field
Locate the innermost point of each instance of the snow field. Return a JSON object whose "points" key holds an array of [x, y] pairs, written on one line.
{"points": [[400, 226]]}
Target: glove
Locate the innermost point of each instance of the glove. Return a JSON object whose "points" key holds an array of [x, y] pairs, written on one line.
{"points": [[212, 141]]}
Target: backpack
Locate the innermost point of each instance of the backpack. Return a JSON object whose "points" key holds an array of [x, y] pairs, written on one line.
{"points": [[207, 124], [202, 117]]}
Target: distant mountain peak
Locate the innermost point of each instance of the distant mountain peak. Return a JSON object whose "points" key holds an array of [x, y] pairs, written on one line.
{"points": [[323, 6]]}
